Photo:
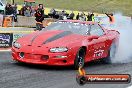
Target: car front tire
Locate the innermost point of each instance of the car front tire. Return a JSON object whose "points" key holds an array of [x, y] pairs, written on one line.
{"points": [[80, 58]]}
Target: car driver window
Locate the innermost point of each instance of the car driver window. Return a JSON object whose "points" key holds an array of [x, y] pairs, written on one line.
{"points": [[96, 30]]}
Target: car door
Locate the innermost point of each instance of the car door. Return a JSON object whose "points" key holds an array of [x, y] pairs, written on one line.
{"points": [[97, 46]]}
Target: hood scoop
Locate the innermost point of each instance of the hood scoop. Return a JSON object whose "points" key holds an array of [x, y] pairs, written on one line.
{"points": [[50, 39], [58, 36]]}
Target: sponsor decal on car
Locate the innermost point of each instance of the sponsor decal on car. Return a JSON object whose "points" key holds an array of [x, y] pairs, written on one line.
{"points": [[98, 53]]}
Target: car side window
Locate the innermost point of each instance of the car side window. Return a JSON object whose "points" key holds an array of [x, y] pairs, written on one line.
{"points": [[95, 29]]}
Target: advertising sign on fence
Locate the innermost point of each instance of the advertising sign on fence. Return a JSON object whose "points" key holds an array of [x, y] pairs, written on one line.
{"points": [[6, 40]]}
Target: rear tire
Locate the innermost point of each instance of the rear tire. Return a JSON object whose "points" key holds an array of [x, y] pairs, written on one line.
{"points": [[111, 54], [80, 58]]}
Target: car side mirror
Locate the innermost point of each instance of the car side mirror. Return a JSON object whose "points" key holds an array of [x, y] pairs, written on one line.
{"points": [[90, 38]]}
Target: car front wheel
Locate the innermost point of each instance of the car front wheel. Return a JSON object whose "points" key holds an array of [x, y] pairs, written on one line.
{"points": [[80, 58]]}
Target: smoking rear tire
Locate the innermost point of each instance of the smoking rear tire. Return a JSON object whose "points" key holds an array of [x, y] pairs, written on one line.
{"points": [[80, 59], [111, 54]]}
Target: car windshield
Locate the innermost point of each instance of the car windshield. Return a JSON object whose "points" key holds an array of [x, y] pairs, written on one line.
{"points": [[76, 28]]}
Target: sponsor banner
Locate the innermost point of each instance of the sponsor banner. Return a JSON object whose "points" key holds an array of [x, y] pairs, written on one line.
{"points": [[6, 40]]}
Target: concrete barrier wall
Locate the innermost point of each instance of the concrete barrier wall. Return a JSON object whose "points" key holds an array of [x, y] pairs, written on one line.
{"points": [[30, 21]]}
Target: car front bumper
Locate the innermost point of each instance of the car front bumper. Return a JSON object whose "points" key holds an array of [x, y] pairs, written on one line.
{"points": [[53, 59]]}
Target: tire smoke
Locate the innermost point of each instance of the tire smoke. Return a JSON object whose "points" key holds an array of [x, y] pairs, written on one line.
{"points": [[124, 26]]}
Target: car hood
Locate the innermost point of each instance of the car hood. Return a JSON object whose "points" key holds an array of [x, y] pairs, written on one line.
{"points": [[50, 38]]}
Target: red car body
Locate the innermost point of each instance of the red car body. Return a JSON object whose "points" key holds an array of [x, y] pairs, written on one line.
{"points": [[36, 47]]}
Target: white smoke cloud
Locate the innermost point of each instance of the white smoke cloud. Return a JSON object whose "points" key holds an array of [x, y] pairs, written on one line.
{"points": [[124, 26]]}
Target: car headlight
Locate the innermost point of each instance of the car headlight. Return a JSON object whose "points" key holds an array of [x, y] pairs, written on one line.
{"points": [[17, 45], [58, 49]]}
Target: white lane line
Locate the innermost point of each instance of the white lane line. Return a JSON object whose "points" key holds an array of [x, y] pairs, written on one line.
{"points": [[129, 86], [5, 50]]}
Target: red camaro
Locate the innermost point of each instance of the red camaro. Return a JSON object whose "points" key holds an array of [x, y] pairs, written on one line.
{"points": [[67, 42]]}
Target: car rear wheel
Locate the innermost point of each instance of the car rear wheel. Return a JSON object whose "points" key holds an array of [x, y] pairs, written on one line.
{"points": [[80, 58], [111, 54]]}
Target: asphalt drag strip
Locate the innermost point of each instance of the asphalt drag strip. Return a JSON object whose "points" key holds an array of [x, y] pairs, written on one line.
{"points": [[18, 75]]}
